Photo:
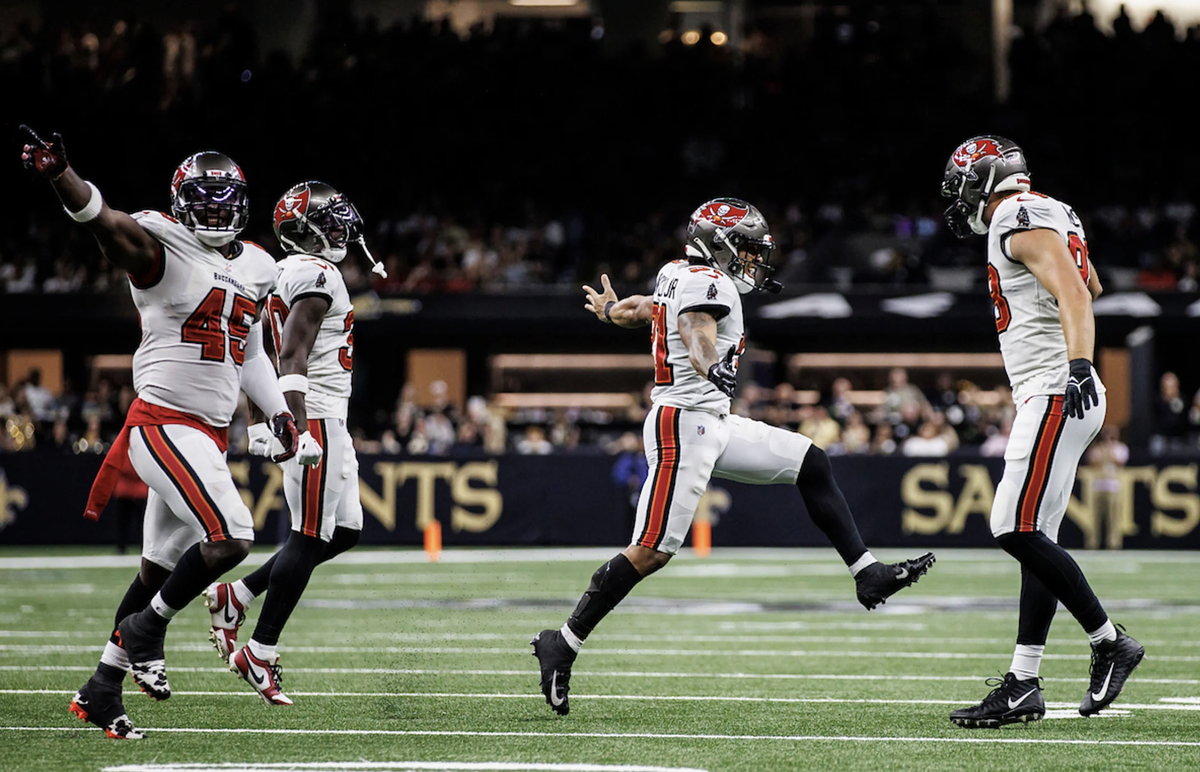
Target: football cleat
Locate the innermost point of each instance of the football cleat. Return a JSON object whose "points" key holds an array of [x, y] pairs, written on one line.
{"points": [[555, 657], [265, 677], [143, 642], [227, 614], [1112, 663], [880, 581], [100, 704], [1011, 702]]}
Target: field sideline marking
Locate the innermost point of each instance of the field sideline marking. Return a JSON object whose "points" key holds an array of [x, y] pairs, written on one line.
{"points": [[27, 649], [1183, 706], [636, 736], [601, 674]]}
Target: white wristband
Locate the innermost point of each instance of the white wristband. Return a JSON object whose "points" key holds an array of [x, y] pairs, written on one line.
{"points": [[91, 210], [293, 382]]}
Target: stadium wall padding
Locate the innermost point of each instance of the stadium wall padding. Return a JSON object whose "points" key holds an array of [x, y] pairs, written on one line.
{"points": [[572, 500]]}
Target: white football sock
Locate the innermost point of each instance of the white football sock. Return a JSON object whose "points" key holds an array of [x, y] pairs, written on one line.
{"points": [[573, 640], [115, 656], [161, 608], [866, 560], [1106, 632], [1026, 661], [242, 593], [262, 651]]}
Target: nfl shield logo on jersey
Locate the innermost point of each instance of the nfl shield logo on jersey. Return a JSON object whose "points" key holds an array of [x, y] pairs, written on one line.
{"points": [[712, 292]]}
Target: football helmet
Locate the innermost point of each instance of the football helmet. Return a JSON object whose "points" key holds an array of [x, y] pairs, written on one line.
{"points": [[208, 195], [978, 168], [315, 219], [721, 230]]}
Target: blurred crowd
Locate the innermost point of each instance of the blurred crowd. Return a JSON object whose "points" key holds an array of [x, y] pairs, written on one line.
{"points": [[483, 189]]}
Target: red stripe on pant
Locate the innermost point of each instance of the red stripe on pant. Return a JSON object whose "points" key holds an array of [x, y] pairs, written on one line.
{"points": [[1039, 477], [663, 489], [191, 488], [314, 488]]}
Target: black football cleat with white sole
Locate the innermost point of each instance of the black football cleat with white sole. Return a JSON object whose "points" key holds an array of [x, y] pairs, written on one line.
{"points": [[880, 581], [100, 704], [1112, 663], [143, 642], [555, 657], [1012, 702]]}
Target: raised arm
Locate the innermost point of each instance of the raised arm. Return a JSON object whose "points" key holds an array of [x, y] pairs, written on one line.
{"points": [[633, 311], [124, 243], [1047, 257]]}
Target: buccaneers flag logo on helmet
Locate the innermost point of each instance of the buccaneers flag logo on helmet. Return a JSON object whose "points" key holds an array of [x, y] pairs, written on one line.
{"points": [[723, 213], [967, 154], [289, 207]]}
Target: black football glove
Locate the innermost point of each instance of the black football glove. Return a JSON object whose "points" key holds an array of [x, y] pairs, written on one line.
{"points": [[48, 159], [1081, 388], [283, 426], [723, 374]]}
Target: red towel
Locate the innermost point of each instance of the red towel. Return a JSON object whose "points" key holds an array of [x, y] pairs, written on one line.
{"points": [[140, 414]]}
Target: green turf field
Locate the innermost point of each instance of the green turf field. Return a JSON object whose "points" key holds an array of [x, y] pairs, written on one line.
{"points": [[746, 660]]}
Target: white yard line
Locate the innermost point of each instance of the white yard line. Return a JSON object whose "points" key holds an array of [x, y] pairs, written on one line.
{"points": [[1186, 707], [640, 675], [395, 766], [699, 654], [572, 736]]}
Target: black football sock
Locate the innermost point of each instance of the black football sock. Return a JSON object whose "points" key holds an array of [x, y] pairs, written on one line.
{"points": [[1059, 573], [137, 597], [343, 539], [190, 577], [827, 506], [259, 579], [610, 584], [293, 566], [1038, 605]]}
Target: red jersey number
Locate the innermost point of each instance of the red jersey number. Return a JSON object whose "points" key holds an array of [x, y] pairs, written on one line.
{"points": [[1000, 307], [203, 327], [664, 373], [346, 352], [1079, 251]]}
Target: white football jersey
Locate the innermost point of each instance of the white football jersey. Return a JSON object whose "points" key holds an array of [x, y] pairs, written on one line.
{"points": [[1031, 335], [681, 287], [196, 313], [332, 355]]}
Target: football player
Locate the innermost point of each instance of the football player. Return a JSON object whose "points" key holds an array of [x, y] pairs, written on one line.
{"points": [[697, 336], [1042, 284], [198, 291], [313, 325]]}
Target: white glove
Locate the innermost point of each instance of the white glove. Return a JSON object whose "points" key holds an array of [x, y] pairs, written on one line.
{"points": [[261, 438], [308, 450]]}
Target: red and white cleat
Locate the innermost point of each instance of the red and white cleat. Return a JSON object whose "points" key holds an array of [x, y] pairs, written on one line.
{"points": [[227, 614], [265, 677]]}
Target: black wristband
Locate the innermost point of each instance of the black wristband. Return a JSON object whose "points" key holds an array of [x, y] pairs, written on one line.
{"points": [[608, 310]]}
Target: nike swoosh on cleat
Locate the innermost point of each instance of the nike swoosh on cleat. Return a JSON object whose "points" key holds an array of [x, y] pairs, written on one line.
{"points": [[903, 574], [1097, 696], [1014, 703], [254, 673], [555, 700], [229, 619]]}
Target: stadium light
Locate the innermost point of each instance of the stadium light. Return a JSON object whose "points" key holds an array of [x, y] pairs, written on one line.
{"points": [[690, 38], [719, 38]]}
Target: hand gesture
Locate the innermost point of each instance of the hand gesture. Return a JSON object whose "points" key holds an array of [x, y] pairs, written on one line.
{"points": [[723, 374], [283, 426], [48, 159], [1081, 388], [597, 302]]}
